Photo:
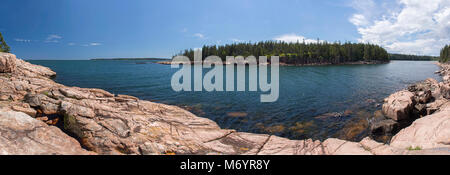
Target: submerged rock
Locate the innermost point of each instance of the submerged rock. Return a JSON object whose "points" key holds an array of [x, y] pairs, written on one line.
{"points": [[237, 114], [354, 129], [330, 115]]}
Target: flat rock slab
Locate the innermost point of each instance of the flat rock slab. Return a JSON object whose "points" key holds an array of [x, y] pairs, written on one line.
{"points": [[22, 135]]}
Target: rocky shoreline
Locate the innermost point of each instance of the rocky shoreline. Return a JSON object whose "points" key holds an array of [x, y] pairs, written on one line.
{"points": [[419, 100], [40, 116]]}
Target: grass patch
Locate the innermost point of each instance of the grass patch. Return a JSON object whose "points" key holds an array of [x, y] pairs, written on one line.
{"points": [[417, 148], [46, 93]]}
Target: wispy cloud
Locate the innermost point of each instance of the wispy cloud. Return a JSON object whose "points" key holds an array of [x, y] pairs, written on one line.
{"points": [[293, 38], [184, 30], [92, 44], [200, 36], [95, 44], [71, 44], [404, 26], [236, 40], [22, 40], [53, 38]]}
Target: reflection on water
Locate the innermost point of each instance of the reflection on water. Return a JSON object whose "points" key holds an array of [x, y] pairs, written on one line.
{"points": [[315, 102]]}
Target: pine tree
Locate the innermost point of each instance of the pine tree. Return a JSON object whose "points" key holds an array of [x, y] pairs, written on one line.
{"points": [[3, 46], [445, 54], [299, 52]]}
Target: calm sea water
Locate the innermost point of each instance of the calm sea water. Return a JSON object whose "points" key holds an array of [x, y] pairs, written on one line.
{"points": [[307, 94]]}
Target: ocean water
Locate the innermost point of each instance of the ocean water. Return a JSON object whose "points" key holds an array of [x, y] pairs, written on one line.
{"points": [[315, 101]]}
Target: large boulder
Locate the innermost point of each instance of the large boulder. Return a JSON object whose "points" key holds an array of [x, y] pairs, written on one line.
{"points": [[384, 127], [445, 85], [21, 134], [399, 105], [445, 90], [426, 90], [423, 97], [10, 64], [435, 106], [7, 63], [429, 132]]}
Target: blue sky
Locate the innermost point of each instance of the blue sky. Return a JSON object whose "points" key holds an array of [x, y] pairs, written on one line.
{"points": [[84, 29]]}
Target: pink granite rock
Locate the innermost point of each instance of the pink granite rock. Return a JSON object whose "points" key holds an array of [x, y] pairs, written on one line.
{"points": [[399, 105]]}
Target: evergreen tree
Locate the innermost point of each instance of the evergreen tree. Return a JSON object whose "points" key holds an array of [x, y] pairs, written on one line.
{"points": [[411, 57], [299, 53], [445, 54], [3, 46]]}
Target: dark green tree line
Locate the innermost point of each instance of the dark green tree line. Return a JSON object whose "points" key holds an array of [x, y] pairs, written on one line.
{"points": [[411, 57], [445, 54], [3, 46], [298, 53]]}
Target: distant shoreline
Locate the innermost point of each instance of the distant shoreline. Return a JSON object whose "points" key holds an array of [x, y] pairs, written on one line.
{"points": [[311, 64], [101, 59]]}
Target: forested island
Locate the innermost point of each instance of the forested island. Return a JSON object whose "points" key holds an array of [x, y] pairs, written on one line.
{"points": [[299, 53], [412, 57]]}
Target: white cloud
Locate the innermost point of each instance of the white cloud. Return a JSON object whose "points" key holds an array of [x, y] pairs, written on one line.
{"points": [[237, 40], [71, 44], [95, 44], [22, 40], [359, 20], [53, 38], [404, 26], [199, 35], [92, 44], [293, 38]]}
